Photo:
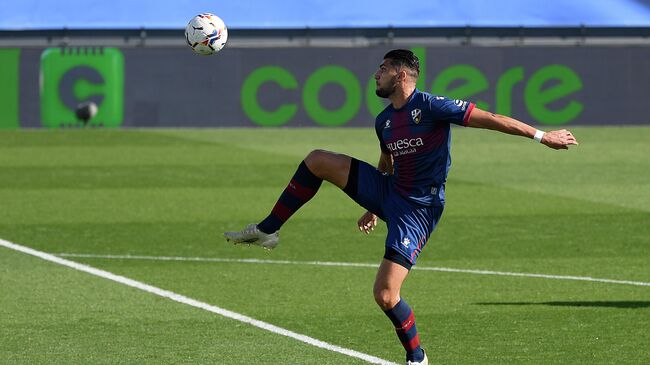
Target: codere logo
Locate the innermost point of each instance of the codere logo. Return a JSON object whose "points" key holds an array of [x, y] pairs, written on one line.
{"points": [[548, 92], [70, 76]]}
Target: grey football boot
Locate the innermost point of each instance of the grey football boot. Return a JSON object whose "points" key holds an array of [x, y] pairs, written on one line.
{"points": [[253, 236]]}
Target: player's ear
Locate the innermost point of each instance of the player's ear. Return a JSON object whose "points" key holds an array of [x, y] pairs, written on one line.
{"points": [[402, 74]]}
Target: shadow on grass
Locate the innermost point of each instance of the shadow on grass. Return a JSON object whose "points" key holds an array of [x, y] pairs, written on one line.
{"points": [[600, 304]]}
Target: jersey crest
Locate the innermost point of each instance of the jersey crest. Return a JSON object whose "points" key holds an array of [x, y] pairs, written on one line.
{"points": [[416, 114]]}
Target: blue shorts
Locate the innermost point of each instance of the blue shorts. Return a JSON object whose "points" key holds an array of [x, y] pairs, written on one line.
{"points": [[409, 224]]}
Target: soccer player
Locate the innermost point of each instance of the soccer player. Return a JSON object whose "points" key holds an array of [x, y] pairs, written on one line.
{"points": [[406, 190]]}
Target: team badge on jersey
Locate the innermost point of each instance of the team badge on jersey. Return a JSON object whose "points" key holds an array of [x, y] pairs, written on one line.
{"points": [[416, 114]]}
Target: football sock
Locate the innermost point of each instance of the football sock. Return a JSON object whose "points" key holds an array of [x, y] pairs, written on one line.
{"points": [[302, 187], [402, 317]]}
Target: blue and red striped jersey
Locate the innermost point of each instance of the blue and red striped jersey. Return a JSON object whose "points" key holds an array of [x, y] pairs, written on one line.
{"points": [[418, 136]]}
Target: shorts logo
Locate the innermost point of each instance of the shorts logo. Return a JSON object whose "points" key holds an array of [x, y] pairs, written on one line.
{"points": [[416, 114], [406, 242]]}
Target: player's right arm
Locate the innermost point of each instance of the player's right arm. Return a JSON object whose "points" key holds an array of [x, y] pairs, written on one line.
{"points": [[466, 114], [368, 221], [558, 139]]}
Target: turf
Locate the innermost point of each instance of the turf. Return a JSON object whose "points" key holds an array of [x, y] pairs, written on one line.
{"points": [[512, 205]]}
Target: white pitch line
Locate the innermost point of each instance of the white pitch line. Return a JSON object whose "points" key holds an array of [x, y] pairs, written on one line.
{"points": [[195, 303], [353, 264]]}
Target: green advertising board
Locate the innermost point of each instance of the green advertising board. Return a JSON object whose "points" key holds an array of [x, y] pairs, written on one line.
{"points": [[313, 86], [9, 88], [70, 76], [548, 96]]}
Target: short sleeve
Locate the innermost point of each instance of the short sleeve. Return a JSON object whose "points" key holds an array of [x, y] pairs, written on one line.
{"points": [[451, 111], [379, 130]]}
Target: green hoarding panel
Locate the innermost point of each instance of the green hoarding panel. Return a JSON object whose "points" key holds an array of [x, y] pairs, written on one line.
{"points": [[9, 87], [70, 76]]}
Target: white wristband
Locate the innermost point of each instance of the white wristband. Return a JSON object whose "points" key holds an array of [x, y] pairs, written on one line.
{"points": [[539, 135]]}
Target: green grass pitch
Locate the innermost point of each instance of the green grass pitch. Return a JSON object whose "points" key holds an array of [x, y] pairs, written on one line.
{"points": [[512, 205]]}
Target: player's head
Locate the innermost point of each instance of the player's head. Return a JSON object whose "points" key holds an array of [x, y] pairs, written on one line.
{"points": [[399, 66]]}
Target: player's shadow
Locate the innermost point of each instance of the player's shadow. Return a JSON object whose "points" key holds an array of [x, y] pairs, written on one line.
{"points": [[627, 304]]}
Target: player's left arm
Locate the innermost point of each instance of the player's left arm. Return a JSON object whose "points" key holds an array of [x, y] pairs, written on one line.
{"points": [[368, 220], [557, 139]]}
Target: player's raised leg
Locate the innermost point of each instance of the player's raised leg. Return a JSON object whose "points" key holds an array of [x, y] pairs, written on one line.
{"points": [[387, 295], [319, 165]]}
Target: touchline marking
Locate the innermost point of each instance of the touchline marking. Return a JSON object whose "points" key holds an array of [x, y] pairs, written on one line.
{"points": [[195, 303], [352, 264]]}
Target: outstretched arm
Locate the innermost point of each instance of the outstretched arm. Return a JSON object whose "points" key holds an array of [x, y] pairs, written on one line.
{"points": [[558, 139], [368, 221]]}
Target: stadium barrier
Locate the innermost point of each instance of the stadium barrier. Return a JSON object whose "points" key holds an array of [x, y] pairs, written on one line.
{"points": [[312, 86]]}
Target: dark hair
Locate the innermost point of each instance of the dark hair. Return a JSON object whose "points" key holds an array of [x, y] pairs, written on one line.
{"points": [[404, 57]]}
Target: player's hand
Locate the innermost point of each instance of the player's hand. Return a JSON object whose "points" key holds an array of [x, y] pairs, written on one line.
{"points": [[367, 222], [559, 140]]}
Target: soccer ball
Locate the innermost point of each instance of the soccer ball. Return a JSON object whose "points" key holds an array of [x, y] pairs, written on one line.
{"points": [[206, 34]]}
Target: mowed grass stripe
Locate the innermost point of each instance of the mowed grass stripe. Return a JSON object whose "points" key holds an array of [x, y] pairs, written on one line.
{"points": [[512, 205], [351, 264], [194, 303], [456, 312], [51, 314]]}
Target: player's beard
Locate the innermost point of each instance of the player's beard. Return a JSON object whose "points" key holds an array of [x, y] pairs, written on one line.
{"points": [[385, 92]]}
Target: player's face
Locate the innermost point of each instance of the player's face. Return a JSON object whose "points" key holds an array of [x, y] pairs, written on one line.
{"points": [[386, 79]]}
